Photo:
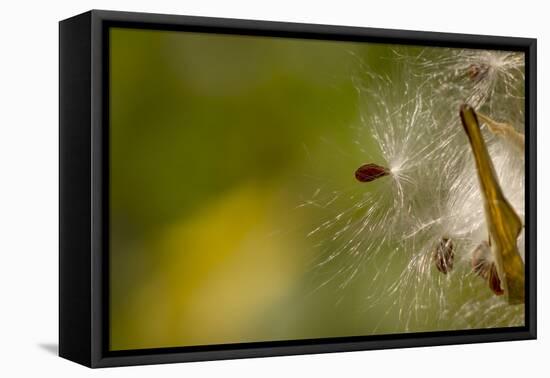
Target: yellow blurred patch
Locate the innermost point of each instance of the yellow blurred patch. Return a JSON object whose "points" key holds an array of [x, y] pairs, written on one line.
{"points": [[219, 273]]}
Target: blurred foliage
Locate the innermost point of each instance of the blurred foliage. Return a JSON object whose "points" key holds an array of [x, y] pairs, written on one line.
{"points": [[215, 141]]}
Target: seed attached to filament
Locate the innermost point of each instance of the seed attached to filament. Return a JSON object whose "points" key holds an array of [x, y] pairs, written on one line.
{"points": [[477, 72], [494, 281], [480, 260], [486, 269], [370, 172], [444, 255]]}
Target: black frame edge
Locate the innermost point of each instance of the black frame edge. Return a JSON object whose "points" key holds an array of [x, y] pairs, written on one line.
{"points": [[531, 181], [316, 31], [100, 195], [320, 347], [75, 336]]}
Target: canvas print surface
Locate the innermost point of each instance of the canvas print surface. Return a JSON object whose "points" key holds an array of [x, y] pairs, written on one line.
{"points": [[268, 189]]}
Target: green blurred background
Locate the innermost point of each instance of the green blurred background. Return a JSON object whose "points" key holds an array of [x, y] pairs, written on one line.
{"points": [[216, 141]]}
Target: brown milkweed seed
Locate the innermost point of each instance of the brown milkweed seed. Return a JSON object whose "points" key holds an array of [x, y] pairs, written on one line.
{"points": [[477, 72], [480, 260], [494, 281], [486, 269], [370, 172], [443, 255]]}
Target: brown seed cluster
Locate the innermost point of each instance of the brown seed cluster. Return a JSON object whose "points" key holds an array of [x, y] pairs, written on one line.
{"points": [[444, 255], [370, 172], [485, 268]]}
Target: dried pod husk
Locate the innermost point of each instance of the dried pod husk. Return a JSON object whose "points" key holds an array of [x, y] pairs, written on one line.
{"points": [[370, 172], [503, 222], [443, 255]]}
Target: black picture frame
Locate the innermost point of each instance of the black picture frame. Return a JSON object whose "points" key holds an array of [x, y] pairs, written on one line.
{"points": [[84, 173]]}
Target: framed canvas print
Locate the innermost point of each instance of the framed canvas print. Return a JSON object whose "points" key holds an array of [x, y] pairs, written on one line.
{"points": [[233, 188]]}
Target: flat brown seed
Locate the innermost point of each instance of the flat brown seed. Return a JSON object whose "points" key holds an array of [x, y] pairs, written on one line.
{"points": [[444, 256], [480, 259], [477, 72], [485, 268], [370, 172], [494, 281]]}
